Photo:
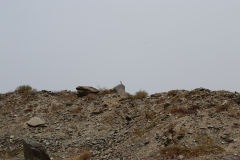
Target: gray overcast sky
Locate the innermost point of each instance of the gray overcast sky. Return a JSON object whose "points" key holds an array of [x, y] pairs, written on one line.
{"points": [[155, 45]]}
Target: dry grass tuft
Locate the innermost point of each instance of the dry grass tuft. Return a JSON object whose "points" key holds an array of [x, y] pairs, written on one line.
{"points": [[203, 149], [141, 95], [205, 146], [183, 110], [138, 95], [82, 156], [25, 90]]}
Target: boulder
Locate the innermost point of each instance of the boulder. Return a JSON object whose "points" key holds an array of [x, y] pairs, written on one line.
{"points": [[85, 90], [120, 89], [34, 151], [35, 122]]}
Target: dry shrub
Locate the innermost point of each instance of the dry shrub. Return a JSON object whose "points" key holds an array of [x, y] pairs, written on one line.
{"points": [[222, 108], [141, 95], [184, 110], [175, 151], [83, 156], [25, 90], [138, 95]]}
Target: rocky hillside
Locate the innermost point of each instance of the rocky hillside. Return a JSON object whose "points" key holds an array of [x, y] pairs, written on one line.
{"points": [[179, 124]]}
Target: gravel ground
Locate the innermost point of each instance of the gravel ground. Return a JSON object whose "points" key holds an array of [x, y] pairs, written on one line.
{"points": [[179, 124]]}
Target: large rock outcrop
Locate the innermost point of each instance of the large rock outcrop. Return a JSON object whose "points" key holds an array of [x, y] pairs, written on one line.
{"points": [[85, 90]]}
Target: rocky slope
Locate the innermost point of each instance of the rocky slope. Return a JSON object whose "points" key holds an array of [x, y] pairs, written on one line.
{"points": [[179, 124]]}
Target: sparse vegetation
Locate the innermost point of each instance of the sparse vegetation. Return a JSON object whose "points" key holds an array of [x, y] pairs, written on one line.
{"points": [[25, 90], [206, 147], [138, 95], [175, 151], [183, 110], [83, 156], [141, 95]]}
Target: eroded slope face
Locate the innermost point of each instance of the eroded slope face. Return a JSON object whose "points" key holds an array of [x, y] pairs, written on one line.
{"points": [[179, 124]]}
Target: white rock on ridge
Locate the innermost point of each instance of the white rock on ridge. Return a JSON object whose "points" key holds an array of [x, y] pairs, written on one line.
{"points": [[85, 90]]}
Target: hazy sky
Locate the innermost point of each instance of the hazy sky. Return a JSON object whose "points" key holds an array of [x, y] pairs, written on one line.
{"points": [[155, 45]]}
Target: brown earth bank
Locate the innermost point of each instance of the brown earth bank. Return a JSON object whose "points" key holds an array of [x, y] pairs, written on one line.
{"points": [[179, 124]]}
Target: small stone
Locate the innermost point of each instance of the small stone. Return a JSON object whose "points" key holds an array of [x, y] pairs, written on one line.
{"points": [[180, 156], [210, 126], [58, 128], [35, 122]]}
